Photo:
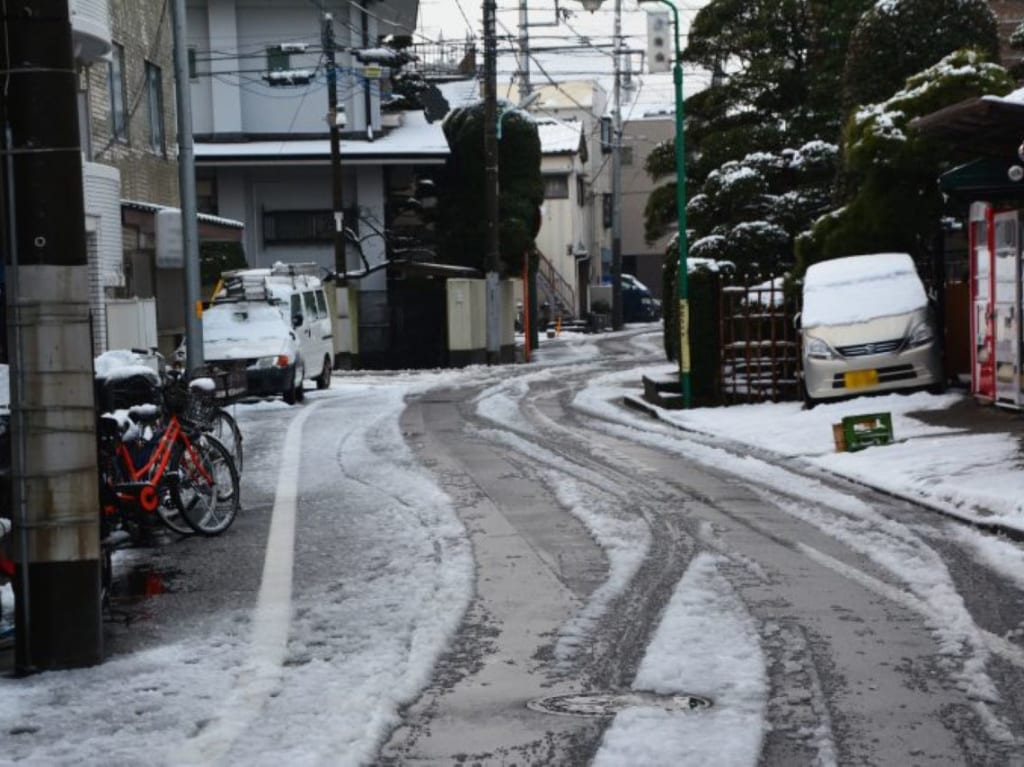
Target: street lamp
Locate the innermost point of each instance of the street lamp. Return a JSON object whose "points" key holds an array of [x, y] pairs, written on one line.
{"points": [[683, 280]]}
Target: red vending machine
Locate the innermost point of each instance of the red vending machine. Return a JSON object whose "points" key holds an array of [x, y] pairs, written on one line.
{"points": [[997, 351], [981, 237]]}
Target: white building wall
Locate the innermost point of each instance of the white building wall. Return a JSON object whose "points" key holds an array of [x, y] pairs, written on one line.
{"points": [[370, 195], [102, 190], [219, 28], [221, 41], [197, 22]]}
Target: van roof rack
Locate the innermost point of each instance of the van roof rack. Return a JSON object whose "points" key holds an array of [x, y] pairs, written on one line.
{"points": [[258, 284]]}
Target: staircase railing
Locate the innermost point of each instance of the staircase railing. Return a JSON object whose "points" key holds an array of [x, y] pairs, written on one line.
{"points": [[554, 289]]}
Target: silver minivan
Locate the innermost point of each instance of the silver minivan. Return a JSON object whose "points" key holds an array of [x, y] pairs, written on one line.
{"points": [[866, 327]]}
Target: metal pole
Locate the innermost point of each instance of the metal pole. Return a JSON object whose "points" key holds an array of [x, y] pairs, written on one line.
{"points": [[683, 278], [187, 190], [617, 320], [54, 483], [335, 135], [491, 182]]}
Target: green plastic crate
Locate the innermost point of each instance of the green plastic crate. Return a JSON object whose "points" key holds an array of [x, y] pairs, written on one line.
{"points": [[868, 430]]}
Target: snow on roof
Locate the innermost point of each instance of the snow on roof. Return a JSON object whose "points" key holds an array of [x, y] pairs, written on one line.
{"points": [[415, 137], [854, 289], [460, 93], [206, 218], [559, 136]]}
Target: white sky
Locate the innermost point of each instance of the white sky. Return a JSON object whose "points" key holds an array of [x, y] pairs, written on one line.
{"points": [[454, 19], [318, 676]]}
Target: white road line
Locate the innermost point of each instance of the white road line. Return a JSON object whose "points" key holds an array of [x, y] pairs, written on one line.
{"points": [[261, 673]]}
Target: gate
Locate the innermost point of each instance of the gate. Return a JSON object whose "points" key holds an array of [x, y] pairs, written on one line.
{"points": [[760, 349]]}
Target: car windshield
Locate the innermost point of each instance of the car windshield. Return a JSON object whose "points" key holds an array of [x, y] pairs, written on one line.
{"points": [[844, 291], [243, 321]]}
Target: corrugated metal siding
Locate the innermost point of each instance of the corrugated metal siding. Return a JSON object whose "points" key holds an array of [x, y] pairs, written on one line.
{"points": [[102, 189]]}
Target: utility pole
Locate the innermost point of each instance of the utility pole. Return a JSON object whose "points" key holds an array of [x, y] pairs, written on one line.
{"points": [[53, 411], [493, 255], [617, 175], [187, 190], [335, 134], [524, 52]]}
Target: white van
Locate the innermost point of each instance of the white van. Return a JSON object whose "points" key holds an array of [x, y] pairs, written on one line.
{"points": [[240, 325]]}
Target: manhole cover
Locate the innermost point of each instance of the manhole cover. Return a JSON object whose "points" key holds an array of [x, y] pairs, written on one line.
{"points": [[610, 703]]}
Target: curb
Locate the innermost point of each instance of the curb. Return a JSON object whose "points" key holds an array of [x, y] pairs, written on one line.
{"points": [[634, 402]]}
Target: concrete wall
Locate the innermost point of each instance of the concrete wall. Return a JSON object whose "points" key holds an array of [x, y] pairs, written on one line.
{"points": [[642, 136]]}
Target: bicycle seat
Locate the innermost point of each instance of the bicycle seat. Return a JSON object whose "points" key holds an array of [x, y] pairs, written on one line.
{"points": [[144, 414]]}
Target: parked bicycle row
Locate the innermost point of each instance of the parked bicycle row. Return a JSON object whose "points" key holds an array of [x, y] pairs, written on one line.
{"points": [[169, 456]]}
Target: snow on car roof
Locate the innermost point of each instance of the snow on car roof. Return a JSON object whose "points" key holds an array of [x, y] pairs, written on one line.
{"points": [[844, 291]]}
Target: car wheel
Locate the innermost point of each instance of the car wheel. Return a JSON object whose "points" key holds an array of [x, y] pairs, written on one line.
{"points": [[323, 381], [293, 393], [809, 401], [300, 391]]}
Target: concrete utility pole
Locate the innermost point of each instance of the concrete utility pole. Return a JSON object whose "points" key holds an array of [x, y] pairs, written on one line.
{"points": [[187, 190], [53, 412], [617, 320], [491, 182], [524, 52], [335, 134]]}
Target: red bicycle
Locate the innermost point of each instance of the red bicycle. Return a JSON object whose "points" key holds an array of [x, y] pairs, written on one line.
{"points": [[153, 464]]}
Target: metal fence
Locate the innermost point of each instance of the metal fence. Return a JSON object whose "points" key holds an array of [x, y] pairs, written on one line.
{"points": [[760, 348]]}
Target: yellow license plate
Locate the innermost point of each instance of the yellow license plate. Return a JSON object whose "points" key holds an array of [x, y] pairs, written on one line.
{"points": [[858, 379]]}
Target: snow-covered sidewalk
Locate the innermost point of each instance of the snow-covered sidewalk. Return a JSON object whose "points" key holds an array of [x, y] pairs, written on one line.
{"points": [[974, 474]]}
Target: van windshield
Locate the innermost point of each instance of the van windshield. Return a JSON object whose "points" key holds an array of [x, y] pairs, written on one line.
{"points": [[844, 291]]}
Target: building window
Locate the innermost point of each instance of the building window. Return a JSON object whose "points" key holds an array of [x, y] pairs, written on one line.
{"points": [[206, 192], [118, 94], [155, 101], [581, 191], [626, 155], [278, 60], [606, 210], [556, 187], [298, 227], [192, 64]]}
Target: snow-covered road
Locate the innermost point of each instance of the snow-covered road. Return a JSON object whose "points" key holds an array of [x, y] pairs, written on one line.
{"points": [[431, 551]]}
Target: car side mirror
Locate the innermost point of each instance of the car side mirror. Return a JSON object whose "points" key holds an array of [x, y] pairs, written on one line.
{"points": [[296, 320]]}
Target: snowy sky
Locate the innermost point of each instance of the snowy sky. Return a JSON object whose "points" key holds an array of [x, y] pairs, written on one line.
{"points": [[454, 19], [232, 686]]}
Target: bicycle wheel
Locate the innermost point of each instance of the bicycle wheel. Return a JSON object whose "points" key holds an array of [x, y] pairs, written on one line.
{"points": [[169, 512], [206, 493], [225, 430]]}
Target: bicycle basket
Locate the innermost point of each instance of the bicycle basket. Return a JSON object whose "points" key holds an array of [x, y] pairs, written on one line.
{"points": [[199, 407]]}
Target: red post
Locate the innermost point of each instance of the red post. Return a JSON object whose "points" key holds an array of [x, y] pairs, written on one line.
{"points": [[526, 307]]}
